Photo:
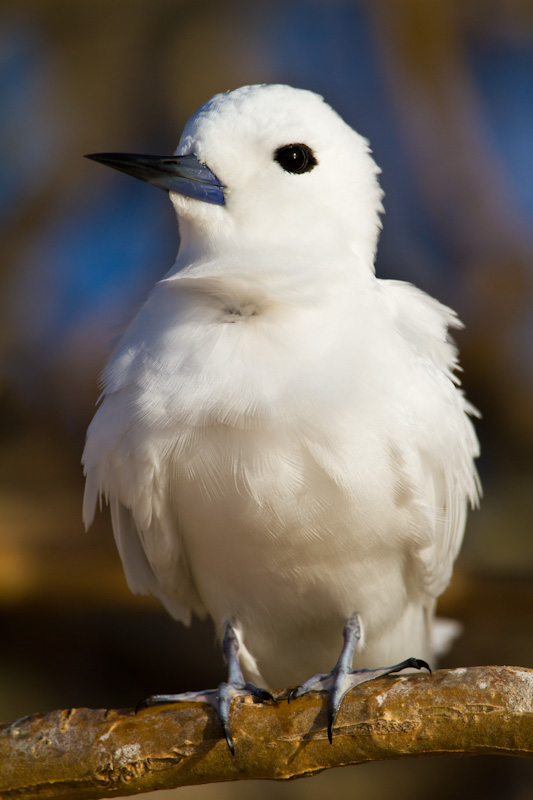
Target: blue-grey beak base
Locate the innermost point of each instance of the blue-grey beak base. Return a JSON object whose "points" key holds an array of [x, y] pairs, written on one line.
{"points": [[182, 174]]}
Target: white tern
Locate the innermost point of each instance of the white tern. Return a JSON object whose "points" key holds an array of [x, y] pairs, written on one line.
{"points": [[281, 437]]}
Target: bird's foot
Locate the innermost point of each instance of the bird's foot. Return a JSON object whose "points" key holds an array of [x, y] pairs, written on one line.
{"points": [[221, 697], [342, 678]]}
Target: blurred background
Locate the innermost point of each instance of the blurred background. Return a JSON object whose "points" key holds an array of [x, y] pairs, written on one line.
{"points": [[443, 90]]}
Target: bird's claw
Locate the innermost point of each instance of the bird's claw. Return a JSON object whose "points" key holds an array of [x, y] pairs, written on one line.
{"points": [[225, 693], [342, 678], [221, 697], [185, 697]]}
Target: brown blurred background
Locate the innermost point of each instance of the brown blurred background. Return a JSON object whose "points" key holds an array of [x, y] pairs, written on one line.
{"points": [[444, 91]]}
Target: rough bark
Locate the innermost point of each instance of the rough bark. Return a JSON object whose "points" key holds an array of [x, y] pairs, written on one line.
{"points": [[85, 753]]}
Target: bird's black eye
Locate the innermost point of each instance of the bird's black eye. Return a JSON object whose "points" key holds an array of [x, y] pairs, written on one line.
{"points": [[296, 158]]}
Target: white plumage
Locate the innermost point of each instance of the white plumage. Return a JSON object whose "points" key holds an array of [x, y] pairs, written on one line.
{"points": [[281, 437]]}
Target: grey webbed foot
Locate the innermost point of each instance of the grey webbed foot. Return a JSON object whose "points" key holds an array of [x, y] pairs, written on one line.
{"points": [[221, 697], [342, 677]]}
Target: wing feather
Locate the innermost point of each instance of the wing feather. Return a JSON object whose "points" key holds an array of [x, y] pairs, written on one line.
{"points": [[134, 481], [441, 433]]}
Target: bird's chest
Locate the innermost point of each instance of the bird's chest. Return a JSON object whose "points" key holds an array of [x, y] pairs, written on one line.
{"points": [[270, 446]]}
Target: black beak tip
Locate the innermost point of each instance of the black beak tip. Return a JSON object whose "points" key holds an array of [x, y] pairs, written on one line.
{"points": [[105, 158], [140, 167]]}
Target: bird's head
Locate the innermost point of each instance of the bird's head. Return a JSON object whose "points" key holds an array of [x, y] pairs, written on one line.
{"points": [[268, 167]]}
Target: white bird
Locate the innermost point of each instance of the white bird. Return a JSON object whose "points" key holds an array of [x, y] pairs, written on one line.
{"points": [[281, 437]]}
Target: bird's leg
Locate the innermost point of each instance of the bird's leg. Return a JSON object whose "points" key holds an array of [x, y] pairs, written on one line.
{"points": [[342, 677], [235, 685], [221, 697]]}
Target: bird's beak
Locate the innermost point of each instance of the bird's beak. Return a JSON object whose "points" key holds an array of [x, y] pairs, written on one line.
{"points": [[182, 174]]}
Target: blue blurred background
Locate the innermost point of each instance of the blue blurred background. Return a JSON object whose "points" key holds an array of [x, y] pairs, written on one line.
{"points": [[444, 92]]}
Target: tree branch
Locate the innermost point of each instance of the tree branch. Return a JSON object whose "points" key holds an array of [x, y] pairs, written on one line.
{"points": [[82, 753]]}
